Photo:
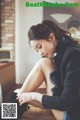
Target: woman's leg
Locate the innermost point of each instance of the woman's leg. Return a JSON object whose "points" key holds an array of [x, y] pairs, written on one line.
{"points": [[41, 72], [37, 76], [59, 115]]}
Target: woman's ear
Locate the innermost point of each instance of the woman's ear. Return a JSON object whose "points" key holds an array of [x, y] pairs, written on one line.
{"points": [[52, 37]]}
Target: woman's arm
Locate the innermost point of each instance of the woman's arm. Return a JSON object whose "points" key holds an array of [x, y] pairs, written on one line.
{"points": [[29, 96], [70, 94]]}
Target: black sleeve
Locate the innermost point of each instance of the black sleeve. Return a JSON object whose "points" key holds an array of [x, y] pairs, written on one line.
{"points": [[70, 95]]}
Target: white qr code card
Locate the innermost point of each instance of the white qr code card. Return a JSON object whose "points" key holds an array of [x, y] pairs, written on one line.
{"points": [[9, 110]]}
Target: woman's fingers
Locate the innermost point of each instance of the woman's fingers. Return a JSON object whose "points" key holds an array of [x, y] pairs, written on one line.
{"points": [[19, 97], [22, 98], [25, 97], [22, 102]]}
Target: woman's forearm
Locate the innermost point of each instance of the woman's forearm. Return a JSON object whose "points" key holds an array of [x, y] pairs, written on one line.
{"points": [[29, 96], [37, 96]]}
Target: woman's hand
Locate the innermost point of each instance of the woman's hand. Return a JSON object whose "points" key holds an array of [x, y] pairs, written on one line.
{"points": [[28, 97]]}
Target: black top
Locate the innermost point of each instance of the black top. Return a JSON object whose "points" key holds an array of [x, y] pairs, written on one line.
{"points": [[66, 78]]}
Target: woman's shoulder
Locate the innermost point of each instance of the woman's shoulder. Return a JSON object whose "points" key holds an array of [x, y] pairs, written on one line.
{"points": [[72, 51], [72, 48]]}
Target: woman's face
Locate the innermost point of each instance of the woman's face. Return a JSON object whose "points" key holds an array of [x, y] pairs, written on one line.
{"points": [[46, 48]]}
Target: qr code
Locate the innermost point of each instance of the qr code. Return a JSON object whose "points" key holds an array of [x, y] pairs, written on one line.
{"points": [[9, 110]]}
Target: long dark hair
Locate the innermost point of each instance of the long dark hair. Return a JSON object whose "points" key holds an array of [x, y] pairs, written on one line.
{"points": [[43, 30]]}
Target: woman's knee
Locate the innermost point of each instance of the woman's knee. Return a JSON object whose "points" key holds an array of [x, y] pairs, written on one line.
{"points": [[46, 66], [46, 62]]}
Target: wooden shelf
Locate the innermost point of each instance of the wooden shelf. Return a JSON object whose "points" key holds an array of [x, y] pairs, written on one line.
{"points": [[5, 64], [7, 75]]}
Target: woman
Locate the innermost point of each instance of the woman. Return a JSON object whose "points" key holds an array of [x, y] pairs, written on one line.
{"points": [[60, 71]]}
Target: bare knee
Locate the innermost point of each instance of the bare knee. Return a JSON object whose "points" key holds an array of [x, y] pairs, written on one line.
{"points": [[46, 63], [45, 60], [47, 66]]}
